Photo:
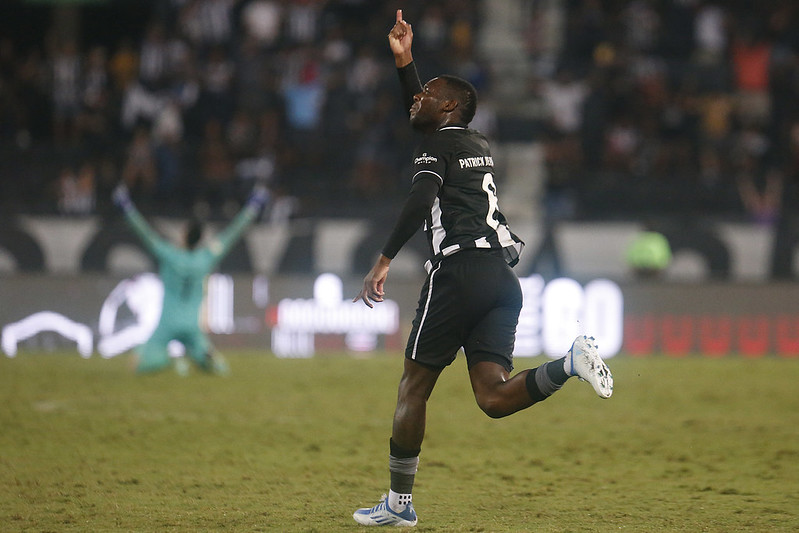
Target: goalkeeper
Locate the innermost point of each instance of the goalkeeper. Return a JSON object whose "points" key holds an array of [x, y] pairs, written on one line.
{"points": [[183, 272]]}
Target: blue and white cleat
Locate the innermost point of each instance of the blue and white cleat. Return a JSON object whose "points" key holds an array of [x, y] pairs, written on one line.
{"points": [[382, 515], [584, 362]]}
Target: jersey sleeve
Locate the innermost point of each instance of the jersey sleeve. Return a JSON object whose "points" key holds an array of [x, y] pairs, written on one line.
{"points": [[221, 244], [410, 83], [430, 160], [151, 240]]}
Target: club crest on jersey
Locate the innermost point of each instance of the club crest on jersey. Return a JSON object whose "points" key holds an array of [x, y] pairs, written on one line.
{"points": [[472, 162], [425, 159]]}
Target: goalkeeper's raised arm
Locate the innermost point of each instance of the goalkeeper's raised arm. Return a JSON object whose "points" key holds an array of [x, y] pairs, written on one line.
{"points": [[154, 242], [222, 243]]}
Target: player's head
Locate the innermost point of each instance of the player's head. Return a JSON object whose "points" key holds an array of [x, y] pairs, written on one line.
{"points": [[465, 94], [194, 233], [444, 100]]}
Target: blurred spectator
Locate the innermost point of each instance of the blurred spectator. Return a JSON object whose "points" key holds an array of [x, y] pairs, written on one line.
{"points": [[76, 193], [217, 184], [153, 58], [139, 171], [93, 120], [303, 21], [217, 75], [303, 90], [168, 152], [208, 23], [642, 25], [762, 203], [251, 71], [710, 32], [760, 185], [750, 59], [124, 65], [140, 105], [563, 97], [262, 21], [66, 92]]}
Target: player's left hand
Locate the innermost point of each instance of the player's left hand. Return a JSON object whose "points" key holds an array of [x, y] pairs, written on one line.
{"points": [[258, 197], [121, 197], [372, 290]]}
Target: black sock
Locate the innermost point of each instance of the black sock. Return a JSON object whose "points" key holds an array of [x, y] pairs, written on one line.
{"points": [[544, 381], [532, 387], [402, 464]]}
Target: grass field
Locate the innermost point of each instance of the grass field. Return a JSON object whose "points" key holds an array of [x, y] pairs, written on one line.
{"points": [[296, 445]]}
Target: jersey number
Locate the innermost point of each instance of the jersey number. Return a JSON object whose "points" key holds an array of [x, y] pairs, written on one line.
{"points": [[493, 204]]}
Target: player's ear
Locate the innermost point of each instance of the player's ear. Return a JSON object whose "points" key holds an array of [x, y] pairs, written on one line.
{"points": [[448, 106]]}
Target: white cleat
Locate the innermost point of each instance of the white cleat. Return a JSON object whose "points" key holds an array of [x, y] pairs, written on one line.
{"points": [[584, 362], [382, 515]]}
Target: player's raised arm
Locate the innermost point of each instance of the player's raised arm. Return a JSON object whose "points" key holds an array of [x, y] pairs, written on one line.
{"points": [[151, 240], [399, 39], [221, 245]]}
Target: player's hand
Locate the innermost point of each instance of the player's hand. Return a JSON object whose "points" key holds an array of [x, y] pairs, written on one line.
{"points": [[258, 197], [400, 39], [372, 290], [121, 197]]}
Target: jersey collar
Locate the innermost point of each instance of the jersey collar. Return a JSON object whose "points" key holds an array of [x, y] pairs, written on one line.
{"points": [[452, 127]]}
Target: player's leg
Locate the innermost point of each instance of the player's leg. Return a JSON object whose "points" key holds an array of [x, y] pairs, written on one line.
{"points": [[499, 395], [489, 345], [153, 354], [488, 353], [410, 420], [410, 416], [432, 344], [203, 353]]}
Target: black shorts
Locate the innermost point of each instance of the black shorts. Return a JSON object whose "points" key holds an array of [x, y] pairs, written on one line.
{"points": [[471, 299]]}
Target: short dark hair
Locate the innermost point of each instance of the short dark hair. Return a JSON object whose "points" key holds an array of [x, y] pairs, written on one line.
{"points": [[194, 232], [465, 93]]}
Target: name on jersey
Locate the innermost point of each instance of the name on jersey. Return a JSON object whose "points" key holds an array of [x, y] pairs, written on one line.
{"points": [[471, 162], [425, 159]]}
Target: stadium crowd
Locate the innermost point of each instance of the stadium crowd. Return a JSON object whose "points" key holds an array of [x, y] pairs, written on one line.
{"points": [[215, 95], [678, 106], [681, 105]]}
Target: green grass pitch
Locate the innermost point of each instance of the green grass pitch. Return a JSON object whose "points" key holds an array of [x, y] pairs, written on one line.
{"points": [[694, 445]]}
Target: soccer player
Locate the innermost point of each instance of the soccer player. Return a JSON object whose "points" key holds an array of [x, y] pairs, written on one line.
{"points": [[471, 298], [183, 271]]}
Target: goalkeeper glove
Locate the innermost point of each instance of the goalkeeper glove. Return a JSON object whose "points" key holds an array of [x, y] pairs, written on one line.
{"points": [[258, 197], [121, 197]]}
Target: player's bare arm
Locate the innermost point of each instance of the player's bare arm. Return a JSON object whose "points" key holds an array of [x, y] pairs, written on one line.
{"points": [[372, 290], [399, 39]]}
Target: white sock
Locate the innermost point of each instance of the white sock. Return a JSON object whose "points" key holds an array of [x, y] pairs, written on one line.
{"points": [[398, 502]]}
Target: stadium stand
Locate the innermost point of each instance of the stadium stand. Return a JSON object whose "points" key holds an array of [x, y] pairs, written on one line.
{"points": [[671, 107]]}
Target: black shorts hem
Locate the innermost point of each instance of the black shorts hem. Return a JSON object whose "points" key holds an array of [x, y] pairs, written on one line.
{"points": [[479, 357], [427, 365]]}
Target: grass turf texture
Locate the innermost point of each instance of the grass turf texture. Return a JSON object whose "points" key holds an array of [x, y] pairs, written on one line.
{"points": [[296, 445]]}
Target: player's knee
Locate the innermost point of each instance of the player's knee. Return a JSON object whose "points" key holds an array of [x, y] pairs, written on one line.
{"points": [[491, 404]]}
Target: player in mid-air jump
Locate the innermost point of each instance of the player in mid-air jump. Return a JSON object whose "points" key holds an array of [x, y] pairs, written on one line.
{"points": [[471, 297], [183, 271]]}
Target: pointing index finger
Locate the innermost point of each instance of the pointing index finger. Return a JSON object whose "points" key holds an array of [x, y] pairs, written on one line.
{"points": [[399, 15]]}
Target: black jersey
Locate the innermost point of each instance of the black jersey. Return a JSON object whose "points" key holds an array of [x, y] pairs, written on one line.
{"points": [[465, 214]]}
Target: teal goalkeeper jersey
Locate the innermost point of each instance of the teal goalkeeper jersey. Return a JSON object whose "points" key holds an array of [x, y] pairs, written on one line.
{"points": [[183, 272]]}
